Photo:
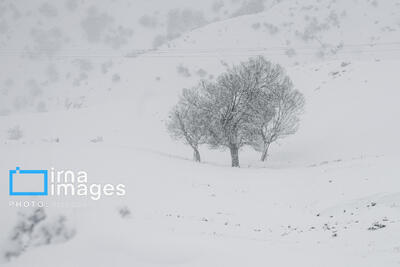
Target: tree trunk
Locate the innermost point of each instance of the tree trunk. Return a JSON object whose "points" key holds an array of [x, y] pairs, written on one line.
{"points": [[265, 153], [234, 155], [196, 155]]}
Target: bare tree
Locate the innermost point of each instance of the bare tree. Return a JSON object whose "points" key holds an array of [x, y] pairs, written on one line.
{"points": [[187, 123], [252, 103], [230, 100], [279, 117]]}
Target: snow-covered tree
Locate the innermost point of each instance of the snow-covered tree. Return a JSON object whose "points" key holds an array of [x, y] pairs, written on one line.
{"points": [[187, 122], [252, 103], [232, 102], [278, 115]]}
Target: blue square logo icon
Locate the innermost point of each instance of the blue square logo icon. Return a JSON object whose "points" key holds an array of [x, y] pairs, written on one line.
{"points": [[28, 182]]}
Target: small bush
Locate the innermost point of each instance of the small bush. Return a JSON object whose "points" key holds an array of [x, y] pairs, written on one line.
{"points": [[97, 139], [15, 133], [35, 229], [124, 212]]}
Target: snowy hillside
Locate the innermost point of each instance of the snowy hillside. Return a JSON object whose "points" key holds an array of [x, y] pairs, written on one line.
{"points": [[328, 196], [63, 46], [75, 53]]}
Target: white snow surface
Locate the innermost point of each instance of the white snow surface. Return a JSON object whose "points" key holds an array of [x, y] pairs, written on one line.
{"points": [[311, 204]]}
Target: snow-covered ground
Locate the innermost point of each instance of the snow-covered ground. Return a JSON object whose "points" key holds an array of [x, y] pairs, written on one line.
{"points": [[328, 196]]}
